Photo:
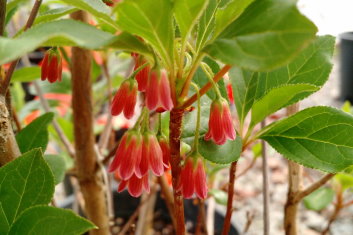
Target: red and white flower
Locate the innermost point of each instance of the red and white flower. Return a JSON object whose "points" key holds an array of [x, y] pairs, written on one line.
{"points": [[220, 125], [135, 185], [125, 99], [51, 66], [158, 93], [128, 156], [193, 178]]}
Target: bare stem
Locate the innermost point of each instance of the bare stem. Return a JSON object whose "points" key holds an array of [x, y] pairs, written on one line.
{"points": [[168, 197], [265, 187], [5, 84], [227, 218], [300, 195], [338, 207], [2, 16], [176, 117], [207, 87], [295, 172], [88, 171]]}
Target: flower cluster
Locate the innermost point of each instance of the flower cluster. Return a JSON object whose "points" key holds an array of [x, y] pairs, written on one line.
{"points": [[51, 66], [137, 154], [220, 125]]}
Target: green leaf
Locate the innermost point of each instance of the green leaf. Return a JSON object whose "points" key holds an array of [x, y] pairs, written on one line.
{"points": [[187, 14], [311, 66], [57, 165], [206, 24], [153, 21], [220, 196], [26, 74], [128, 42], [245, 85], [226, 15], [54, 14], [319, 199], [278, 98], [267, 35], [50, 220], [58, 33], [346, 180], [95, 7], [25, 182], [35, 135], [221, 154], [317, 137]]}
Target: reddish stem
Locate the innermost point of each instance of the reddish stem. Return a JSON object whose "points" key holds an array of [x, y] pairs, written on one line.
{"points": [[176, 116], [226, 225]]}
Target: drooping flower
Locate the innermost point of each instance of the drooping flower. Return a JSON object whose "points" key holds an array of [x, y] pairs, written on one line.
{"points": [[158, 91], [110, 2], [193, 178], [51, 66], [142, 76], [125, 99], [152, 155], [220, 126], [128, 156], [135, 185], [230, 93], [163, 143]]}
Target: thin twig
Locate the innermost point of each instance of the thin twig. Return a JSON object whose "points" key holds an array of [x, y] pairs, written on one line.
{"points": [[17, 121], [249, 219], [265, 186], [5, 84], [227, 218], [300, 195], [338, 207], [168, 197], [207, 87]]}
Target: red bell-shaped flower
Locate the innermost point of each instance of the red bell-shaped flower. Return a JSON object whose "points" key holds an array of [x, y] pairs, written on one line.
{"points": [[193, 178], [152, 155], [51, 66], [128, 156], [220, 125], [158, 91], [125, 99], [135, 185]]}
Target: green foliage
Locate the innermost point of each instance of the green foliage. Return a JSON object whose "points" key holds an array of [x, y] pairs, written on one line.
{"points": [[318, 137], [151, 20], [206, 24], [57, 165], [221, 154], [54, 14], [49, 220], [345, 180], [95, 7], [66, 33], [187, 14], [278, 98], [35, 135], [58, 33], [25, 182], [26, 74], [319, 199], [311, 67], [26, 187], [229, 13], [267, 35]]}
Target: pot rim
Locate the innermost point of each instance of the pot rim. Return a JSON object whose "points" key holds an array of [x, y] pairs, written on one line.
{"points": [[346, 36]]}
